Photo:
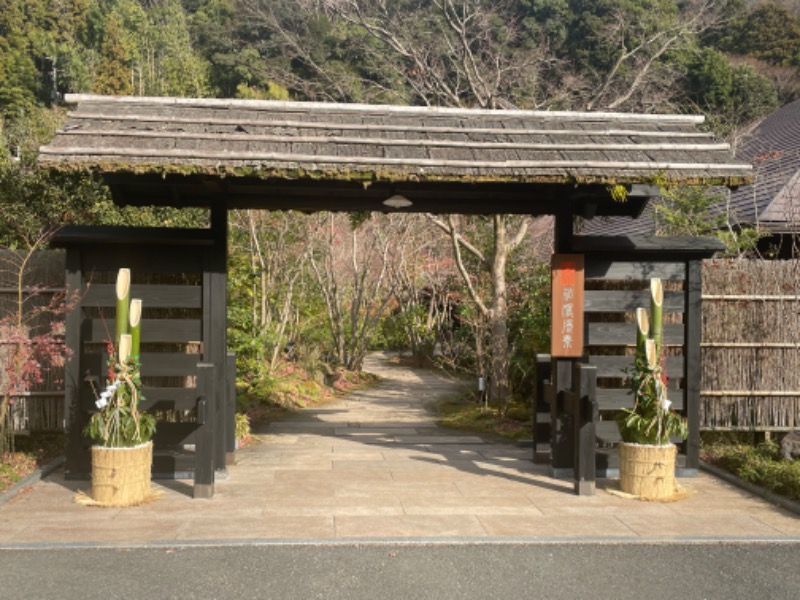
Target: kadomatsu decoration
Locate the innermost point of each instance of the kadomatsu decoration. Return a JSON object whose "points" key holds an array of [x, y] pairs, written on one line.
{"points": [[122, 454], [647, 455]]}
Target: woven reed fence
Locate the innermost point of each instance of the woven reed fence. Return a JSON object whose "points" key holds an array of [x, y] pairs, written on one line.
{"points": [[751, 345], [41, 408]]}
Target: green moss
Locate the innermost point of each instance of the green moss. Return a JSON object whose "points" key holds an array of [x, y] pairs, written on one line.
{"points": [[382, 175], [465, 414]]}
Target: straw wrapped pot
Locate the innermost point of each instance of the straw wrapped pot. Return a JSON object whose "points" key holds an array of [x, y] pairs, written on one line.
{"points": [[121, 476], [647, 471]]}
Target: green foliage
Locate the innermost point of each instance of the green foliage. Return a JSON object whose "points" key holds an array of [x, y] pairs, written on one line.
{"points": [[33, 201], [770, 32], [761, 465], [619, 193], [528, 323], [695, 211], [113, 72], [120, 424], [274, 91], [732, 95], [649, 422], [397, 330], [242, 427]]}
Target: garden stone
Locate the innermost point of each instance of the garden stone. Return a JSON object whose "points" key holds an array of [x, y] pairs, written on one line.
{"points": [[790, 446]]}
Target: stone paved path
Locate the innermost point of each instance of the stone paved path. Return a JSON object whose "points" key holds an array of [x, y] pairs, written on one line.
{"points": [[374, 465]]}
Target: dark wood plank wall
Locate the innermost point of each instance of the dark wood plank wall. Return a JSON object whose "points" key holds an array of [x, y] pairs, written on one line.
{"points": [[610, 331], [610, 345], [170, 280]]}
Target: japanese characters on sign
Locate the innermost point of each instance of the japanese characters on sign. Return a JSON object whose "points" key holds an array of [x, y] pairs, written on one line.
{"points": [[566, 333]]}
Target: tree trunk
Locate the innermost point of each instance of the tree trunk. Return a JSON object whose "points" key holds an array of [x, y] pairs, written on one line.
{"points": [[498, 316]]}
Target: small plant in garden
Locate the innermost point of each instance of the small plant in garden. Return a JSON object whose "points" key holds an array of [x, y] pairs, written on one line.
{"points": [[242, 429], [119, 423], [762, 465], [651, 420]]}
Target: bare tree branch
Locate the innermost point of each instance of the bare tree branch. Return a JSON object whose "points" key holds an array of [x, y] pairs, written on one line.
{"points": [[448, 229], [455, 238]]}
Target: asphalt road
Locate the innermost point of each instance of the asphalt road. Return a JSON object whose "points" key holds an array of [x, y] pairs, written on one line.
{"points": [[376, 571]]}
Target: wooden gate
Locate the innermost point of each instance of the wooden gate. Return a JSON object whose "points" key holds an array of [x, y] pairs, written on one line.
{"points": [[180, 275], [617, 274]]}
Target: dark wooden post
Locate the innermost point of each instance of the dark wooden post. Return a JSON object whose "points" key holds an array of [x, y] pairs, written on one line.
{"points": [[561, 444], [584, 415], [230, 409], [204, 436], [693, 363], [215, 283], [78, 459], [541, 411]]}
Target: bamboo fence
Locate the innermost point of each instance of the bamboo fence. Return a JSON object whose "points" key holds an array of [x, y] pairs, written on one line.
{"points": [[751, 345], [42, 407]]}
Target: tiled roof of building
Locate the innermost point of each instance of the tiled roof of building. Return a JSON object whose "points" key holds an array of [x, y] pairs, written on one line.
{"points": [[773, 199]]}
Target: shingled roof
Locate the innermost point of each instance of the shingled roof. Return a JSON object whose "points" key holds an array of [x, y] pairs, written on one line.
{"points": [[294, 141], [773, 199]]}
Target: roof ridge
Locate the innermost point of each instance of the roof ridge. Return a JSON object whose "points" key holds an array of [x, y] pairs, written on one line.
{"points": [[281, 105]]}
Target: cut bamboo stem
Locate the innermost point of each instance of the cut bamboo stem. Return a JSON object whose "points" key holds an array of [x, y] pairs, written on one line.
{"points": [[123, 299], [652, 354], [135, 326], [656, 312], [124, 347], [642, 329]]}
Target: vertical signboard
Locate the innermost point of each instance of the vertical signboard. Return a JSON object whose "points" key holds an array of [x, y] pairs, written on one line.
{"points": [[566, 334]]}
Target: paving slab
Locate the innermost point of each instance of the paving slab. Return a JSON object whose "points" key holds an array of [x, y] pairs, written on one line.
{"points": [[373, 466]]}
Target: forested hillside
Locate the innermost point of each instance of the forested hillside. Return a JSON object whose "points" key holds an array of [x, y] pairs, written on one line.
{"points": [[733, 60]]}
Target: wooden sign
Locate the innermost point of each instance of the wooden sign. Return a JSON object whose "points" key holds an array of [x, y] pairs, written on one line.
{"points": [[566, 334]]}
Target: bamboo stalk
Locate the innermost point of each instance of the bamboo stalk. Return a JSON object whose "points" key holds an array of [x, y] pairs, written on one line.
{"points": [[642, 329], [124, 347], [123, 298], [656, 312], [651, 352], [135, 326]]}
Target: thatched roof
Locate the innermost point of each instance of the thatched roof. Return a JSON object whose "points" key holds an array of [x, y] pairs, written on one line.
{"points": [[294, 141]]}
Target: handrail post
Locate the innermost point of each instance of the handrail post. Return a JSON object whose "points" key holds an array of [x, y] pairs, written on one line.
{"points": [[541, 421], [585, 414], [230, 408], [204, 440], [561, 446]]}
